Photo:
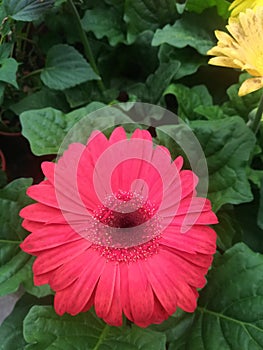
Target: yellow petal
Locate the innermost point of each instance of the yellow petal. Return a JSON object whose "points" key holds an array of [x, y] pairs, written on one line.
{"points": [[223, 62], [250, 85]]}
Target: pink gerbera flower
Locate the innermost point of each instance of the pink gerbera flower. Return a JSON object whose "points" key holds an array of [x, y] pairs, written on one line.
{"points": [[118, 225]]}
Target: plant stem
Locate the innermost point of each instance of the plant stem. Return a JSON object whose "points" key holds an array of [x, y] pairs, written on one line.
{"points": [[256, 123], [37, 71], [9, 242], [85, 42]]}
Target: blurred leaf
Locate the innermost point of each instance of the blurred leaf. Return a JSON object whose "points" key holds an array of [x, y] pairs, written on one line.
{"points": [[260, 210], [111, 26], [175, 326], [11, 330], [241, 105], [141, 15], [26, 10], [189, 98], [8, 69], [2, 92], [190, 59], [190, 30], [83, 332], [210, 112], [46, 128], [156, 83], [200, 6], [227, 145], [230, 310], [5, 50], [247, 215], [15, 265], [228, 229], [41, 99], [66, 67]]}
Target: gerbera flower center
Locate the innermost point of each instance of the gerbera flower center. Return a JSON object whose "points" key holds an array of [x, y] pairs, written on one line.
{"points": [[125, 210], [125, 220]]}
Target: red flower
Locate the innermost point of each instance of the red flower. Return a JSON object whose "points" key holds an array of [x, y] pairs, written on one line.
{"points": [[118, 225]]}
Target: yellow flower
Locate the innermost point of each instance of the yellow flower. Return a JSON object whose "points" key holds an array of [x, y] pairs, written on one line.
{"points": [[238, 6], [242, 48]]}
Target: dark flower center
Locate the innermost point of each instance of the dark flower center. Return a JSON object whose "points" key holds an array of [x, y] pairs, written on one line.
{"points": [[125, 220]]}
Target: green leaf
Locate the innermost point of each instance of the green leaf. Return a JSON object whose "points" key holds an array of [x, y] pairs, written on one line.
{"points": [[189, 98], [26, 10], [41, 99], [84, 332], [11, 331], [190, 59], [2, 92], [142, 15], [210, 112], [230, 310], [228, 229], [46, 128], [66, 67], [247, 215], [111, 26], [175, 326], [190, 30], [241, 105], [5, 50], [8, 69], [227, 145], [15, 265], [156, 83], [200, 6], [260, 210]]}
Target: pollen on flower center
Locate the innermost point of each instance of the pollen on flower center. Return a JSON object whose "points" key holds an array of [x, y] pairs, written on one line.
{"points": [[124, 220]]}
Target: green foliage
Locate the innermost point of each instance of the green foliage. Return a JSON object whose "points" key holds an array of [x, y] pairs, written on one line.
{"points": [[260, 210], [85, 331], [227, 145], [141, 15], [65, 67], [229, 313], [200, 6], [11, 330], [62, 60], [26, 10], [189, 99], [111, 26], [15, 265], [8, 69], [46, 128], [187, 31]]}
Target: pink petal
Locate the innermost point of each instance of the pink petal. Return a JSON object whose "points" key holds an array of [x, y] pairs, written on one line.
{"points": [[107, 299], [39, 212], [117, 135], [141, 134], [55, 257], [31, 225], [181, 269], [159, 313], [90, 177], [48, 169], [75, 298], [140, 292], [200, 239], [44, 193], [162, 284], [124, 289], [48, 237]]}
